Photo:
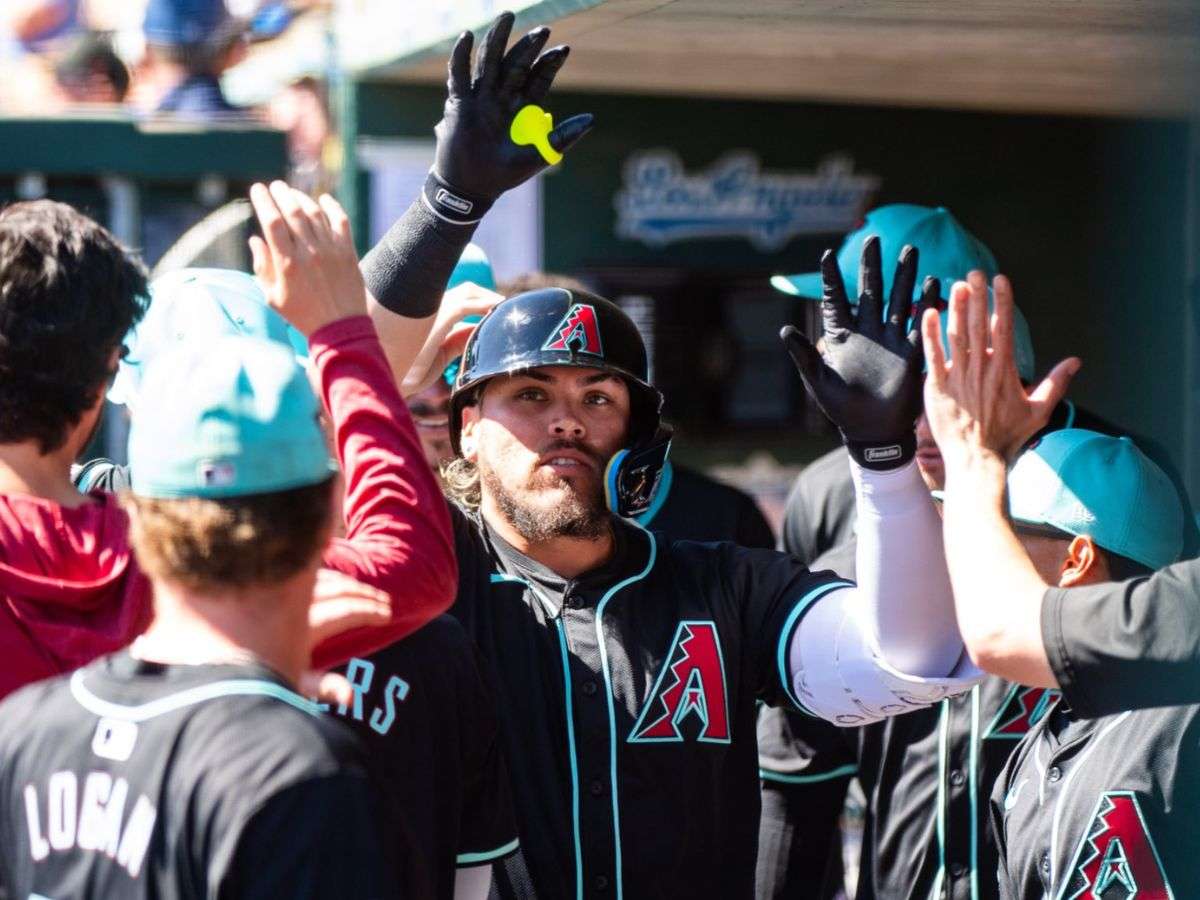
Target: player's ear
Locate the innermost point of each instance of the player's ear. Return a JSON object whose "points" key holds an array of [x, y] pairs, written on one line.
{"points": [[1082, 565], [468, 434]]}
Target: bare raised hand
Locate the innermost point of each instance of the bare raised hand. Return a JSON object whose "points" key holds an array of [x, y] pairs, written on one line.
{"points": [[975, 402], [305, 259]]}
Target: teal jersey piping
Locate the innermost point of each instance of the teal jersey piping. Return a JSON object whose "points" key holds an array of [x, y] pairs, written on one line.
{"points": [[562, 644], [973, 774], [786, 633], [1070, 423], [470, 859], [660, 496], [612, 715], [842, 772], [501, 578], [943, 740], [190, 697]]}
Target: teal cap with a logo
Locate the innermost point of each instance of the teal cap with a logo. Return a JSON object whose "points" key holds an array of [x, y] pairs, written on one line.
{"points": [[473, 266], [198, 306], [1089, 484], [226, 418], [947, 252]]}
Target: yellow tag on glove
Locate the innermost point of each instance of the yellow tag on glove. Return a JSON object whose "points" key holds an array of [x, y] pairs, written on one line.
{"points": [[532, 125]]}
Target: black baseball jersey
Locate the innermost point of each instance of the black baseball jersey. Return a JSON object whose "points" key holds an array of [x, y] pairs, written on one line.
{"points": [[1102, 808], [819, 513], [628, 700], [690, 506], [1129, 645], [129, 779], [427, 716], [926, 777]]}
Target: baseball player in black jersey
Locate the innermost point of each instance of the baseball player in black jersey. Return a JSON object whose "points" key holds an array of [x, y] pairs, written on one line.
{"points": [[187, 766], [1097, 807], [1108, 647], [925, 777], [427, 716], [628, 666]]}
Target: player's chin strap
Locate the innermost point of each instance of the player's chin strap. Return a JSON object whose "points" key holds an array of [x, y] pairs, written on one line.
{"points": [[634, 474]]}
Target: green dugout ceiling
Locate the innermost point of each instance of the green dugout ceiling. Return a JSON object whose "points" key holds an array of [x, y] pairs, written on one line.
{"points": [[1057, 132]]}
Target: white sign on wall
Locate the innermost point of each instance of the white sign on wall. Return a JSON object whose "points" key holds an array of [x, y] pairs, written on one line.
{"points": [[659, 203], [510, 234]]}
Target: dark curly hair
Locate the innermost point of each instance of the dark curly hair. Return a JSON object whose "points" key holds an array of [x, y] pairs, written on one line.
{"points": [[69, 291]]}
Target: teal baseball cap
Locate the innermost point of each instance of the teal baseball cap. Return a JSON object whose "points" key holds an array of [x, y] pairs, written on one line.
{"points": [[947, 252], [226, 418], [473, 266], [198, 306], [1085, 483]]}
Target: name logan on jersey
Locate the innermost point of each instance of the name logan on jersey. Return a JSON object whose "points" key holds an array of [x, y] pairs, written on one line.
{"points": [[91, 821]]}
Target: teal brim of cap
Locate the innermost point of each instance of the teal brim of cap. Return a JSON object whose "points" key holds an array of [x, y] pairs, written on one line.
{"points": [[807, 284], [228, 419]]}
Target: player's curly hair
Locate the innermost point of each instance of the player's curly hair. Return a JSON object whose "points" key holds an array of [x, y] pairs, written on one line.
{"points": [[69, 291], [460, 482]]}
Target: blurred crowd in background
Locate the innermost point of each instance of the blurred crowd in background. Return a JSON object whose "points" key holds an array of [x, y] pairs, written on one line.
{"points": [[161, 58]]}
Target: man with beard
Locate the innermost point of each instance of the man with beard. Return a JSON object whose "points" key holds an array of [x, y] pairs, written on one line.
{"points": [[629, 666]]}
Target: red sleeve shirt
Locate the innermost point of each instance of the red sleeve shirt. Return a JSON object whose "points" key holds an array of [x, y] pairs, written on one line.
{"points": [[398, 535], [71, 590]]}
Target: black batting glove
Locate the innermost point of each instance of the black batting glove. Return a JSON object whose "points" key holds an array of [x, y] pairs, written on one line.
{"points": [[476, 158], [867, 378]]}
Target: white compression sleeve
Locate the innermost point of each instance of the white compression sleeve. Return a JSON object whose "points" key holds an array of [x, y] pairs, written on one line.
{"points": [[473, 883], [908, 605], [891, 644]]}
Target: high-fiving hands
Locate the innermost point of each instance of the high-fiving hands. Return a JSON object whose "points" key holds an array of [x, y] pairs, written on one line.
{"points": [[976, 403], [476, 159], [305, 260], [867, 375]]}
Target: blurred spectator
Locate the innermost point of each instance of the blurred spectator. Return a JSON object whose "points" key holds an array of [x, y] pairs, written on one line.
{"points": [[35, 23], [301, 109], [91, 72], [189, 43]]}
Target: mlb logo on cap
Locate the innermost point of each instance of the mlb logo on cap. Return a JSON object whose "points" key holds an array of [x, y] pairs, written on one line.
{"points": [[217, 474]]}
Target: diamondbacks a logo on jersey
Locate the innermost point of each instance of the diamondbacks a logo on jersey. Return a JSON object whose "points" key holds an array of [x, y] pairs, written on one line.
{"points": [[1023, 707], [578, 331], [691, 684], [1117, 859]]}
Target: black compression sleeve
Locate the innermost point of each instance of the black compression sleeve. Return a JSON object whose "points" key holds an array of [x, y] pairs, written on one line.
{"points": [[408, 269]]}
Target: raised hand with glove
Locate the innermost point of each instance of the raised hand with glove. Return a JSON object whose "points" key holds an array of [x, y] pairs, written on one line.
{"points": [[480, 154], [492, 137], [867, 378], [867, 375]]}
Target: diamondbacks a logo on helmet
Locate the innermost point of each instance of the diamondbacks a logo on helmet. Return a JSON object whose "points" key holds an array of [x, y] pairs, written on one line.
{"points": [[578, 331], [1022, 708], [691, 685], [1116, 858]]}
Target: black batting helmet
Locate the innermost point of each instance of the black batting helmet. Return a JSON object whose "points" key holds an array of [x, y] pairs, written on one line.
{"points": [[558, 327]]}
